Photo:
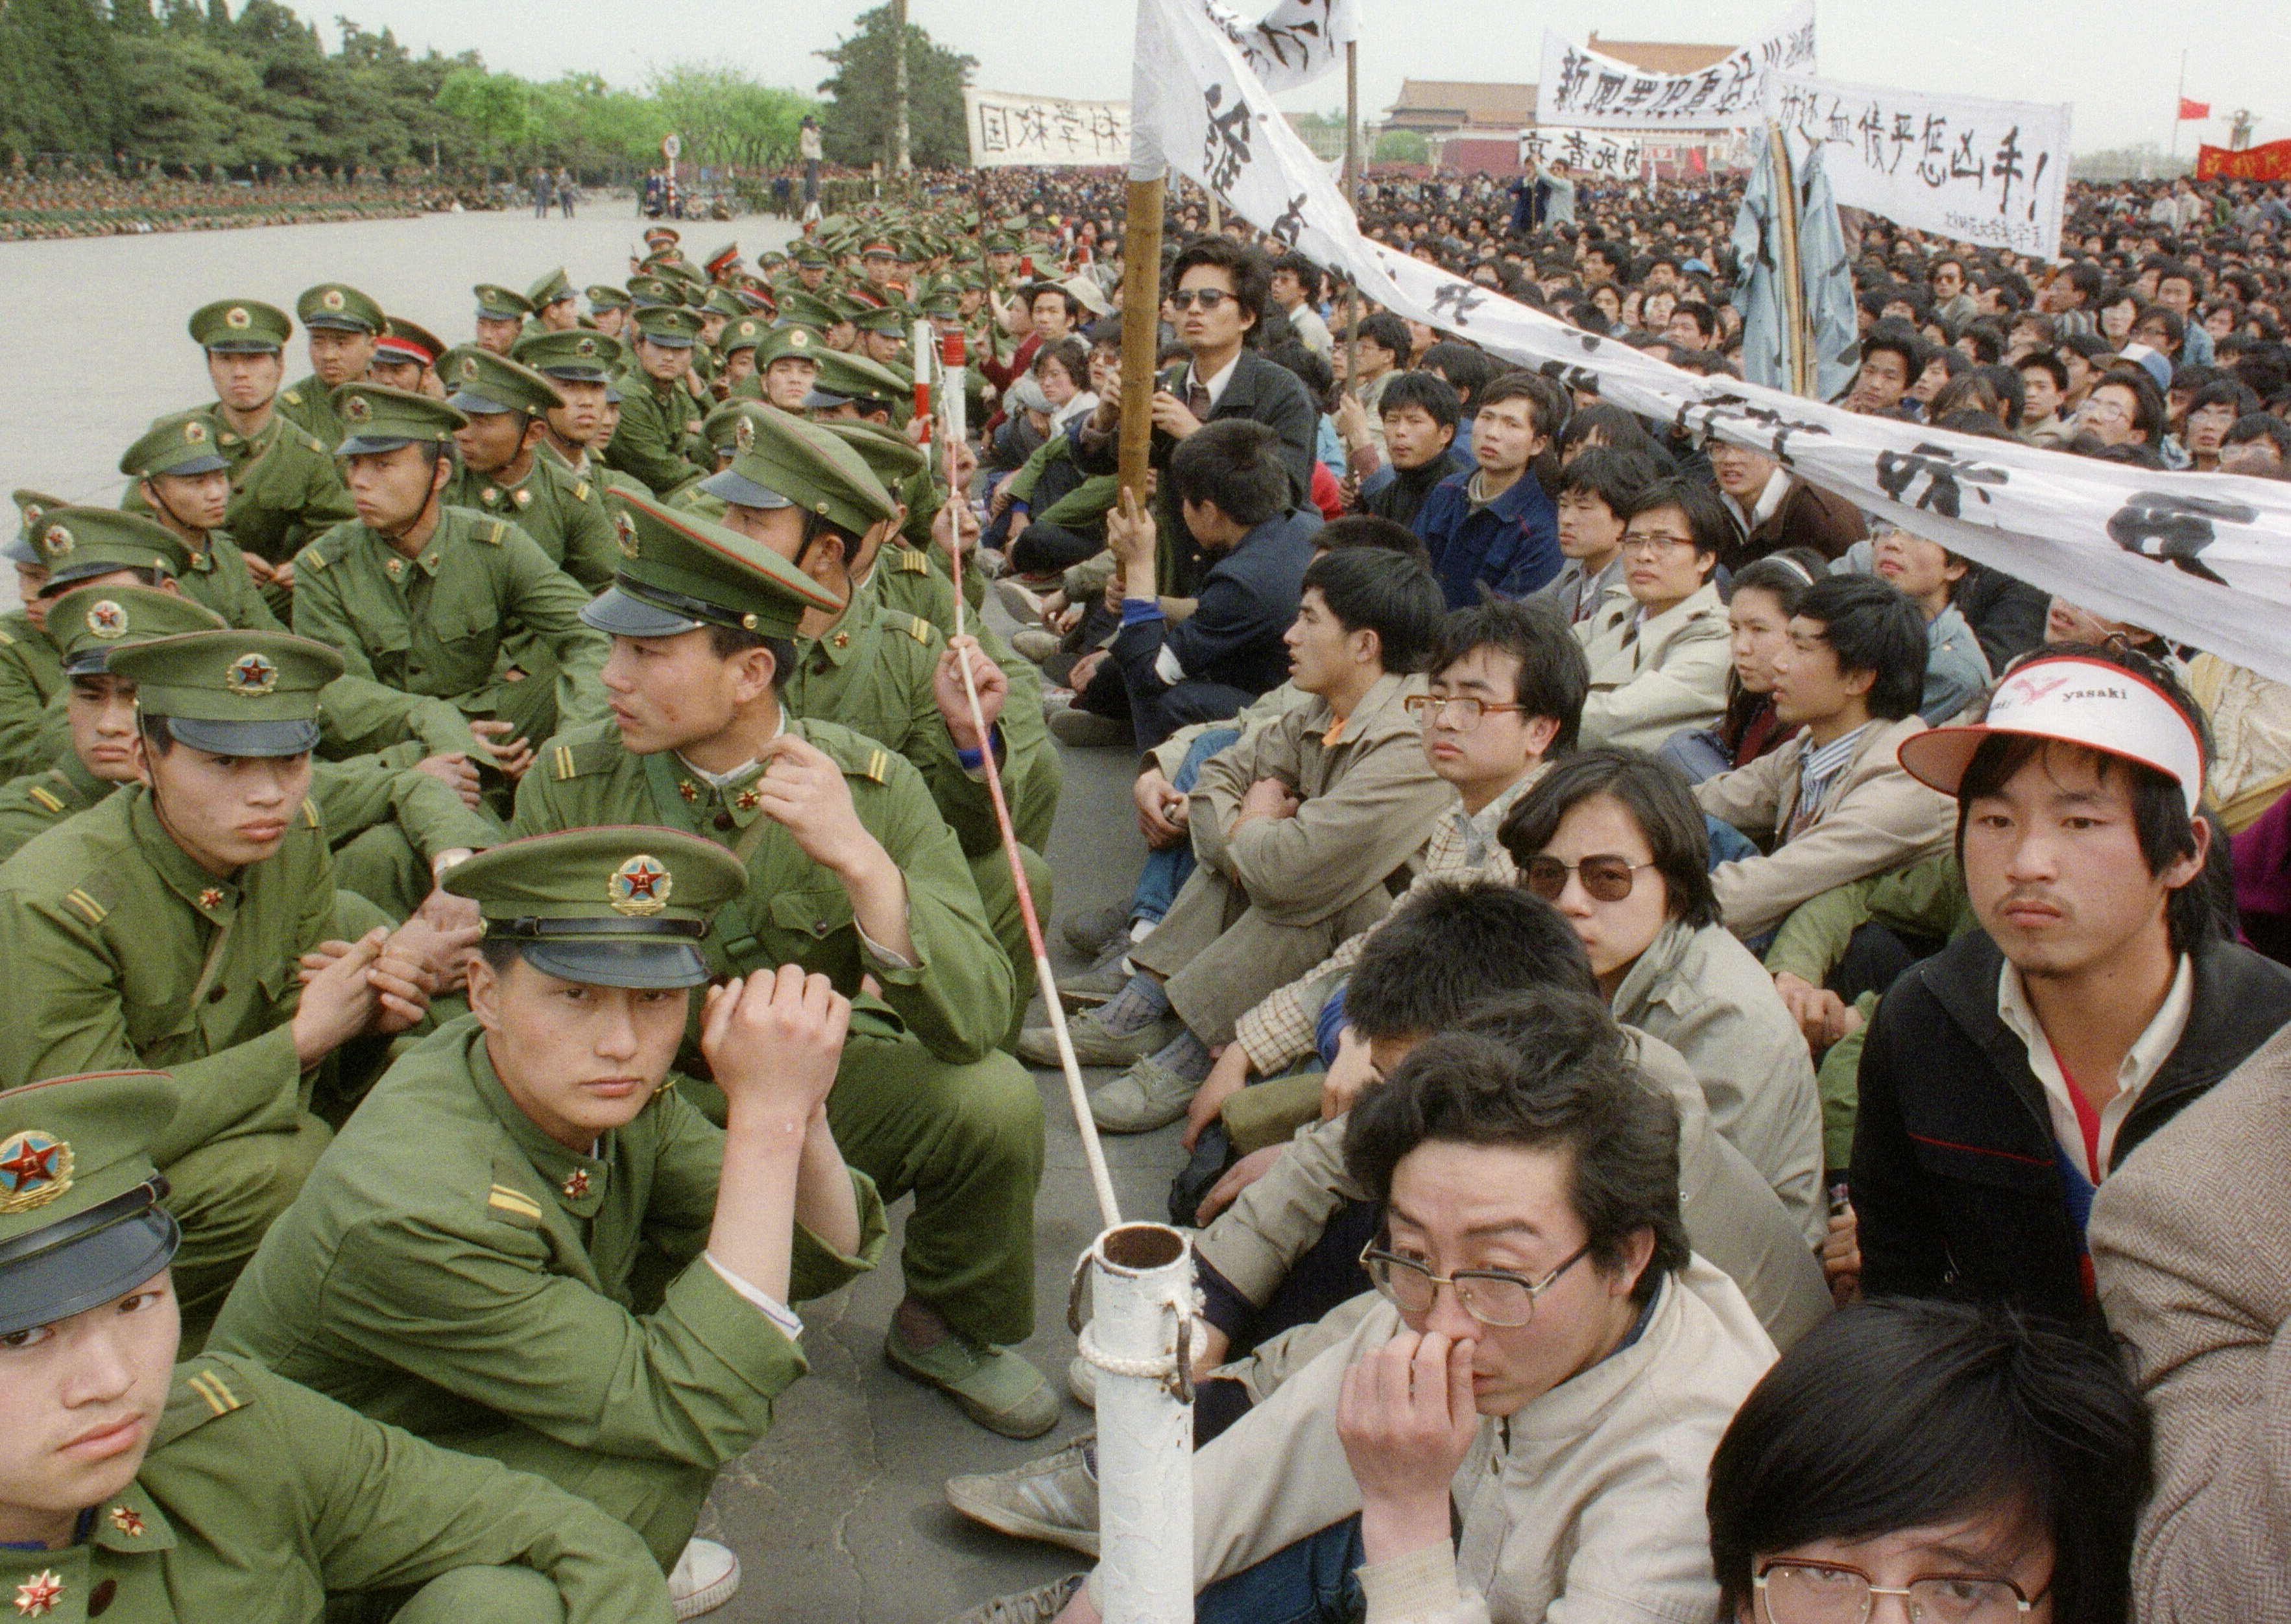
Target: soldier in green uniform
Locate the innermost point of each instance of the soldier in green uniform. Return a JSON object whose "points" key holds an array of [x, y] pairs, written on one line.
{"points": [[852, 386], [419, 596], [654, 442], [405, 357], [31, 667], [787, 365], [184, 480], [503, 473], [582, 365], [812, 264], [883, 340], [852, 874], [168, 926], [341, 325], [530, 1244], [721, 429], [556, 307], [284, 489], [142, 1491], [501, 314], [736, 350], [608, 307]]}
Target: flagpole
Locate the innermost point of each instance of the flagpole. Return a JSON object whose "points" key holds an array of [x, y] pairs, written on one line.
{"points": [[2178, 102], [1352, 201], [1141, 325], [1793, 287]]}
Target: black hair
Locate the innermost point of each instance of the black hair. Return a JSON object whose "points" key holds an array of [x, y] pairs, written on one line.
{"points": [[2260, 426], [1448, 946], [2148, 414], [158, 738], [1657, 796], [1547, 403], [1468, 368], [1902, 1414], [2084, 278], [1235, 462], [1870, 626], [1706, 515], [1372, 531], [2050, 363], [1705, 318], [142, 576], [2224, 391], [1546, 1068], [1371, 589], [1903, 340], [1615, 476], [726, 641], [1988, 343], [2012, 393], [1252, 284], [1616, 427], [1554, 677], [1069, 353], [2160, 807], [1035, 290], [1387, 331], [1428, 392], [2175, 329], [1307, 274]]}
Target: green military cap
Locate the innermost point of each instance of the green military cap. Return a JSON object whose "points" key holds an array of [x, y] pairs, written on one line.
{"points": [[891, 319], [720, 301], [679, 572], [29, 506], [742, 332], [894, 457], [382, 418], [671, 326], [852, 302], [499, 304], [619, 906], [721, 427], [77, 542], [843, 376], [182, 443], [790, 463], [80, 1218], [236, 326], [90, 622], [772, 256], [645, 291], [232, 692], [800, 304], [945, 300], [1002, 242], [337, 304], [808, 253], [404, 343], [584, 357], [720, 258], [658, 235], [550, 289], [803, 343], [485, 384], [605, 296]]}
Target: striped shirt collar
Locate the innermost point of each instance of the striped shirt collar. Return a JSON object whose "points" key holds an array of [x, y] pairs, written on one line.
{"points": [[1819, 765]]}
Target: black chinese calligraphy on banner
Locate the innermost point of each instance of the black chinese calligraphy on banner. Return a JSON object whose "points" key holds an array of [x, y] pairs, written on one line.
{"points": [[1584, 88], [1591, 152], [1008, 129]]}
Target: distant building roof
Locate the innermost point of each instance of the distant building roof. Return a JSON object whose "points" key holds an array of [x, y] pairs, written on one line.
{"points": [[1437, 106], [1659, 56]]}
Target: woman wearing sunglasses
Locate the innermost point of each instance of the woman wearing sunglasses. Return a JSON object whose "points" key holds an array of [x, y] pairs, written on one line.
{"points": [[1931, 1462], [1612, 839]]}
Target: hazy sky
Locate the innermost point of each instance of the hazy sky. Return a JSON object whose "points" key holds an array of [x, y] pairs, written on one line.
{"points": [[2116, 60]]}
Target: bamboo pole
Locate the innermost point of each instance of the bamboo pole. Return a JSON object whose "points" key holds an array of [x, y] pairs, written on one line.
{"points": [[1795, 348], [1141, 325], [1352, 201]]}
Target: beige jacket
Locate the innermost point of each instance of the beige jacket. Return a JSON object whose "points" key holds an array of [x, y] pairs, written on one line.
{"points": [[1702, 993], [1732, 1216], [1872, 819], [2188, 1243], [1585, 1505], [1369, 802], [1649, 681], [1169, 754]]}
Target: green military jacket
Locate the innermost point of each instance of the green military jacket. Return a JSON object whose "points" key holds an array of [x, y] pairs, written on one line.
{"points": [[31, 674], [31, 806], [284, 488], [259, 1499], [219, 579], [658, 434], [563, 511], [454, 1271], [311, 404], [123, 953], [434, 625], [955, 998]]}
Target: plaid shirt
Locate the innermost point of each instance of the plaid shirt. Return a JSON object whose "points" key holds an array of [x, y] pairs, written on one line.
{"points": [[1279, 1032]]}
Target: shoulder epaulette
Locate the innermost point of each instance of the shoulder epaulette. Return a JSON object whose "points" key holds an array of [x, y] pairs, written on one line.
{"points": [[580, 490], [495, 532], [92, 898], [290, 397], [310, 557], [506, 1203], [311, 442], [203, 1390], [6, 642], [912, 562], [579, 759], [46, 798], [919, 628], [879, 762], [311, 814]]}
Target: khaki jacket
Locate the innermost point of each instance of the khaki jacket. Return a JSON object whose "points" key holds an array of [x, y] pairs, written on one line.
{"points": [[1873, 819], [1668, 674], [1586, 1504]]}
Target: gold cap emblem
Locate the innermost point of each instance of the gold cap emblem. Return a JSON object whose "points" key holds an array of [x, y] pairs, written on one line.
{"points": [[332, 299], [639, 887], [35, 1169], [743, 432], [195, 434], [468, 368], [800, 339], [238, 316], [251, 676], [357, 409], [587, 346], [106, 620], [625, 530], [59, 540]]}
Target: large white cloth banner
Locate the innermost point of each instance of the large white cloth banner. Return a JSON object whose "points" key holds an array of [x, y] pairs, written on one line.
{"points": [[1009, 129], [1990, 172], [1580, 87], [1593, 152], [1297, 41], [2203, 559]]}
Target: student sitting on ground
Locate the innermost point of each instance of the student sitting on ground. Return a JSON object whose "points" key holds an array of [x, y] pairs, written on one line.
{"points": [[1659, 657]]}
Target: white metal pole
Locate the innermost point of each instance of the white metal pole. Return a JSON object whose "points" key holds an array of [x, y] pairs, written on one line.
{"points": [[2178, 101], [1140, 1338]]}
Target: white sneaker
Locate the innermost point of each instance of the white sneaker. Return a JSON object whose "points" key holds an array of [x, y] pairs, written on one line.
{"points": [[706, 1577]]}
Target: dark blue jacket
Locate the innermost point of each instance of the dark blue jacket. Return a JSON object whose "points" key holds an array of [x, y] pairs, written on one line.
{"points": [[1512, 543], [1246, 601]]}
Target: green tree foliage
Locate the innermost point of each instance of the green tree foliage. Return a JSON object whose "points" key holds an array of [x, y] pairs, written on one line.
{"points": [[728, 118], [856, 127], [1403, 146], [60, 88]]}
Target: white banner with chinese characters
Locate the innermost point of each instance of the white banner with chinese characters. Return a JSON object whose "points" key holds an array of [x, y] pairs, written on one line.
{"points": [[1009, 129], [2200, 558], [1990, 172], [1582, 87], [1583, 152], [1297, 41]]}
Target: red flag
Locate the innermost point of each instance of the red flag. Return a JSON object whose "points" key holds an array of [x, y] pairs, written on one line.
{"points": [[2194, 110]]}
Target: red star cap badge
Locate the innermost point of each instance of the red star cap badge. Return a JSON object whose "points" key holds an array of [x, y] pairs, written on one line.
{"points": [[577, 1184], [688, 789], [126, 1520], [748, 800], [39, 1593], [211, 898]]}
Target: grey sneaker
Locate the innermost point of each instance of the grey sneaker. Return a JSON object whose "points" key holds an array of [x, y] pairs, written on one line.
{"points": [[1092, 933], [1053, 1500], [1093, 1044], [1033, 643], [1087, 730], [1099, 984], [1149, 1095], [1039, 1605], [1082, 1381], [1023, 604]]}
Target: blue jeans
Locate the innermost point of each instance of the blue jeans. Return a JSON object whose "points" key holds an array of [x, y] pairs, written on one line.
{"points": [[1310, 1582], [1166, 872], [1696, 752]]}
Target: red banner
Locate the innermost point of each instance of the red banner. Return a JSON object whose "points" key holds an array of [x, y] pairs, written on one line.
{"points": [[2194, 110], [2272, 162]]}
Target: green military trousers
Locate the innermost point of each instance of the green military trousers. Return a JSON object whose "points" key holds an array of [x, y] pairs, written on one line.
{"points": [[991, 872], [466, 1595], [226, 1194], [659, 1498]]}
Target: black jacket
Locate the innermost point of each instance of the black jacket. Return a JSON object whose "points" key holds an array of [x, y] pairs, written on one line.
{"points": [[1955, 1179], [1247, 600]]}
